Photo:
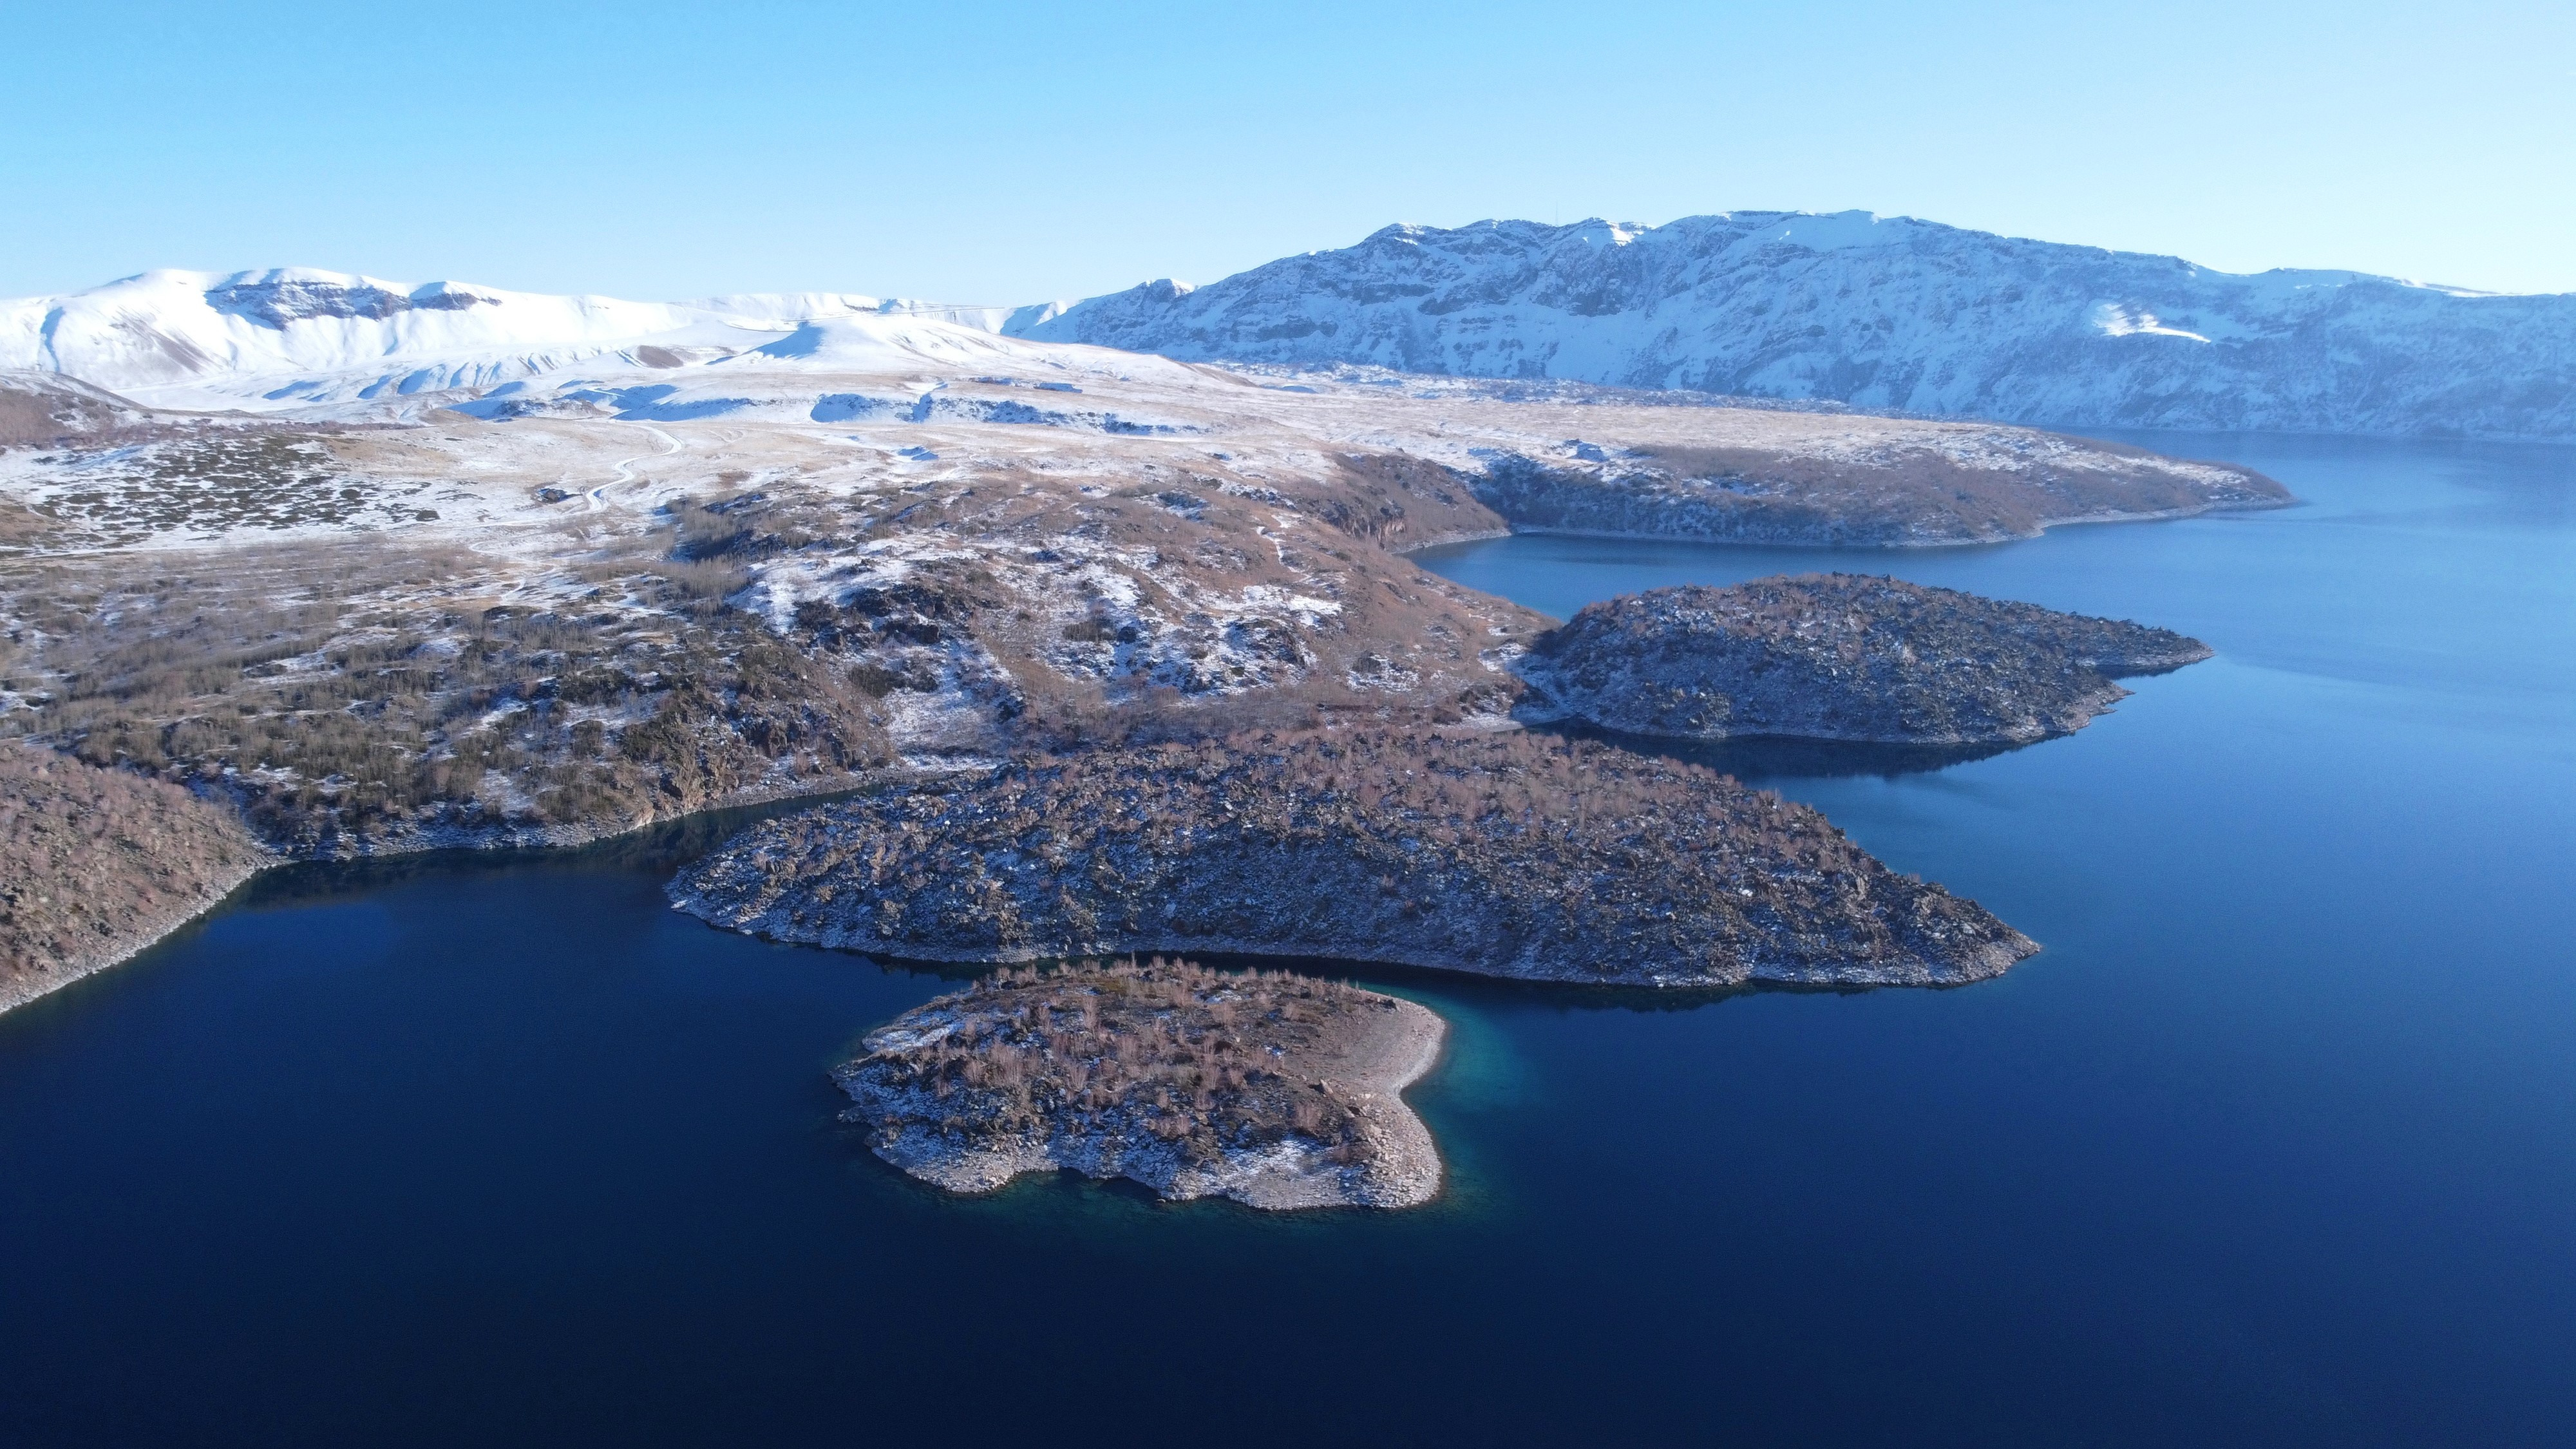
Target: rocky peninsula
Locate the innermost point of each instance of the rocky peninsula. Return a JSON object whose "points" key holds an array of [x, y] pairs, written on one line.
{"points": [[1499, 853], [1852, 481], [96, 864], [1838, 657], [1275, 1090]]}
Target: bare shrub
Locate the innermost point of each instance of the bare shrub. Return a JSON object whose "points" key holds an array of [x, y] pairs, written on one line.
{"points": [[1169, 1047]]}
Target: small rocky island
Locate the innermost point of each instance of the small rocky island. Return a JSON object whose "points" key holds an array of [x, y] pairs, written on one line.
{"points": [[1838, 657], [1499, 853], [1275, 1090]]}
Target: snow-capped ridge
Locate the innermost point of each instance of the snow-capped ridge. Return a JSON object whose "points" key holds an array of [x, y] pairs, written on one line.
{"points": [[305, 337], [1885, 312], [1879, 312]]}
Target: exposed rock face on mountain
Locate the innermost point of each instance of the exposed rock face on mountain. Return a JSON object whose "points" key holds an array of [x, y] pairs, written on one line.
{"points": [[1884, 312], [1277, 1091], [1838, 657], [95, 864], [1500, 854]]}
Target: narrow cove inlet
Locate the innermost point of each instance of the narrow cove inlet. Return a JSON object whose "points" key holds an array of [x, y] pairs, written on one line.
{"points": [[377, 1129]]}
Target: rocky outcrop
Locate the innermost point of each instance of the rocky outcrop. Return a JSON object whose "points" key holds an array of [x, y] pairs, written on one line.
{"points": [[1838, 657], [1274, 1090], [1501, 854]]}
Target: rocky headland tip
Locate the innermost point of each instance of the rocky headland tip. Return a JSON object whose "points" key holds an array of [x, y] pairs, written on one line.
{"points": [[1499, 853], [1838, 657]]}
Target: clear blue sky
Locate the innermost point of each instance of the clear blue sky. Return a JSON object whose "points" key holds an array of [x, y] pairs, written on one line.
{"points": [[1006, 153]]}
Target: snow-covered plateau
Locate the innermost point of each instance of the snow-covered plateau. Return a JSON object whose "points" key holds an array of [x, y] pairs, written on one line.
{"points": [[1885, 313]]}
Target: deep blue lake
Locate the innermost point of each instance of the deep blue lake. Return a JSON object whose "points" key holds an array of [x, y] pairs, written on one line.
{"points": [[2275, 1144]]}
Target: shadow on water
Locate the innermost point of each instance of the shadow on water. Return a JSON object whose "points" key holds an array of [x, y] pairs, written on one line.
{"points": [[659, 848], [1754, 758], [662, 849], [1487, 992], [1414, 981]]}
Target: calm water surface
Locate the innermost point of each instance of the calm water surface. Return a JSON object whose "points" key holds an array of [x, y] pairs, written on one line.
{"points": [[2275, 1144]]}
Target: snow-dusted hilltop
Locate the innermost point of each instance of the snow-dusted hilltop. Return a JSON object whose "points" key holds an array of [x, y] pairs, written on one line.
{"points": [[1884, 312], [295, 336]]}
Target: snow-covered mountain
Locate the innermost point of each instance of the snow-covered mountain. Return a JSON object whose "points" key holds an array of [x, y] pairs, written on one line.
{"points": [[297, 337], [1877, 312], [1882, 312]]}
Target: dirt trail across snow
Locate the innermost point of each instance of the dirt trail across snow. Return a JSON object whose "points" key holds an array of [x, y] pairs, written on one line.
{"points": [[626, 467]]}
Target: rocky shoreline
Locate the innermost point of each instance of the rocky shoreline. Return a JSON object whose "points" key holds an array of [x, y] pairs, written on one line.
{"points": [[1499, 854], [1274, 1090], [1838, 657]]}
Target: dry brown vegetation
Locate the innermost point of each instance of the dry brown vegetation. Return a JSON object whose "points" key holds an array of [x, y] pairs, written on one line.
{"points": [[364, 694], [345, 695], [1502, 854], [42, 410], [1068, 619], [1839, 656], [95, 862], [1200, 1059]]}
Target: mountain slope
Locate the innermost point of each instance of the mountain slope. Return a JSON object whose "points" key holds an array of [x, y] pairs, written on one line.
{"points": [[1882, 313], [38, 408]]}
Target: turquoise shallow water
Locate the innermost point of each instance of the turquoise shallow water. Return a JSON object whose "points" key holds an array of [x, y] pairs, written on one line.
{"points": [[2274, 1144]]}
